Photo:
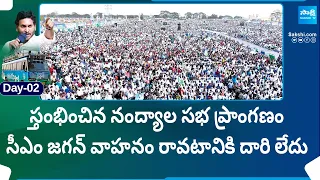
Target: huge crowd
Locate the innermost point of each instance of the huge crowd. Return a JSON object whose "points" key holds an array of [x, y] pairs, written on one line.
{"points": [[146, 60]]}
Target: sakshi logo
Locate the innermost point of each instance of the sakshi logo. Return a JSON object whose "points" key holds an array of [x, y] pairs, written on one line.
{"points": [[307, 14]]}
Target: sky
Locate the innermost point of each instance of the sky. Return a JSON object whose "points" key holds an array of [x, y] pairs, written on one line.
{"points": [[244, 10]]}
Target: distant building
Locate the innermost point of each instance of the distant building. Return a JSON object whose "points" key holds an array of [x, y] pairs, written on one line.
{"points": [[276, 16]]}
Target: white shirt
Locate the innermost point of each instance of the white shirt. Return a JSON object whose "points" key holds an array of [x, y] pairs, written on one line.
{"points": [[48, 97], [68, 79], [33, 44], [44, 96], [109, 97]]}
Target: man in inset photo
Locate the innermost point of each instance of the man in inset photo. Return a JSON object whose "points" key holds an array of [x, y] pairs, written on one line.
{"points": [[27, 40]]}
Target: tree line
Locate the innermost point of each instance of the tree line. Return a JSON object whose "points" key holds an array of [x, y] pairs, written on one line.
{"points": [[163, 14]]}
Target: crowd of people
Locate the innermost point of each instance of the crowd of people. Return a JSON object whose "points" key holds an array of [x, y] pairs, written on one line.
{"points": [[264, 35], [146, 60]]}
